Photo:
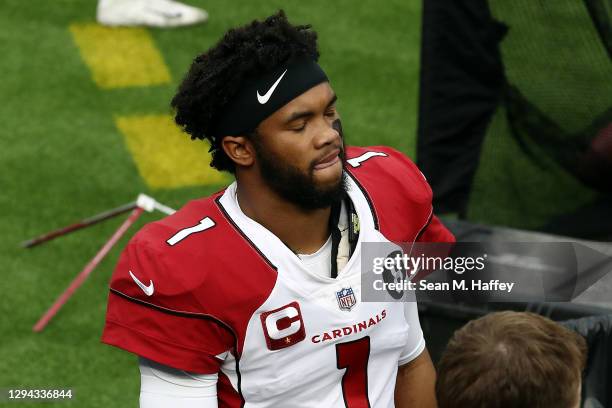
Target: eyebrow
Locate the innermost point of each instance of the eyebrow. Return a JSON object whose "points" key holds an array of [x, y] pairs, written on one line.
{"points": [[306, 114]]}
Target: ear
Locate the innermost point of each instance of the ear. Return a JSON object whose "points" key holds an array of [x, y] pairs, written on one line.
{"points": [[239, 149]]}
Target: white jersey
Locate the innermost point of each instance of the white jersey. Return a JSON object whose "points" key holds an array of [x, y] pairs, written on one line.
{"points": [[304, 346]]}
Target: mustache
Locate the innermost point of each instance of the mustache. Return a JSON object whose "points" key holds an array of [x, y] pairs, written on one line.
{"points": [[341, 155]]}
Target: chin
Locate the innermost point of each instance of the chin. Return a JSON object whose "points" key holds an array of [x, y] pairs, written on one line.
{"points": [[330, 183]]}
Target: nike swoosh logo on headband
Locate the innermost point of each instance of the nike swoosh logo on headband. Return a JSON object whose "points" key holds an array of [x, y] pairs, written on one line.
{"points": [[264, 98]]}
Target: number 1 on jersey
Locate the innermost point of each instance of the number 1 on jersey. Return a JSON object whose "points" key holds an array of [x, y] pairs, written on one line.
{"points": [[356, 161], [204, 224], [353, 356]]}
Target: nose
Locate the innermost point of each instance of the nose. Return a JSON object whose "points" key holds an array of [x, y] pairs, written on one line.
{"points": [[326, 134]]}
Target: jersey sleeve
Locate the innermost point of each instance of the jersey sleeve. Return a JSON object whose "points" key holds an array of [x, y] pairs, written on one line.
{"points": [[416, 342], [153, 313], [436, 232]]}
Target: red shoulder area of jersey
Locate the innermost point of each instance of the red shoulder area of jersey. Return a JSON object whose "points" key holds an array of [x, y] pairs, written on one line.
{"points": [[397, 190], [195, 262]]}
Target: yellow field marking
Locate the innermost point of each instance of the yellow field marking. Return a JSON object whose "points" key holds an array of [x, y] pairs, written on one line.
{"points": [[165, 156], [120, 57]]}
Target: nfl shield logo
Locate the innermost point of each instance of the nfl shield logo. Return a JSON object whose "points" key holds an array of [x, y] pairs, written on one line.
{"points": [[346, 298]]}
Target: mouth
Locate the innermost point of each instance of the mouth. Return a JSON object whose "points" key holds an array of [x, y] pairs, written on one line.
{"points": [[328, 160]]}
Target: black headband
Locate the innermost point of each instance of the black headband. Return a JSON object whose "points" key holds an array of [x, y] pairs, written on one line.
{"points": [[261, 97]]}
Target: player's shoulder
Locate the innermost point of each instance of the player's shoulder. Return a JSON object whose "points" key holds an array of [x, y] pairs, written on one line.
{"points": [[360, 154], [385, 170], [191, 255], [396, 190], [190, 221], [200, 239]]}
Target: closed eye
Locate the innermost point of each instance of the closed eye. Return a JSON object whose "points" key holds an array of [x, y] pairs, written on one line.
{"points": [[300, 128]]}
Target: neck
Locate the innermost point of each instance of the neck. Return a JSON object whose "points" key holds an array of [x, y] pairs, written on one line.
{"points": [[303, 231]]}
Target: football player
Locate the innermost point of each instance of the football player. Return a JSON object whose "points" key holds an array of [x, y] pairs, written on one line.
{"points": [[252, 296]]}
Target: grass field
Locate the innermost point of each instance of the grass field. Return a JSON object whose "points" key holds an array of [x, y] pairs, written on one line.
{"points": [[71, 149]]}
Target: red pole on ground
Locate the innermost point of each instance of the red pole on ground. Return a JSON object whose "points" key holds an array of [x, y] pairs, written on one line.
{"points": [[78, 225], [74, 285]]}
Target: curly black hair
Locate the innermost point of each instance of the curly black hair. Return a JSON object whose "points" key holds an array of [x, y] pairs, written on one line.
{"points": [[216, 76]]}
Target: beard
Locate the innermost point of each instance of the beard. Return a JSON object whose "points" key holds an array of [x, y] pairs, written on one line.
{"points": [[297, 187]]}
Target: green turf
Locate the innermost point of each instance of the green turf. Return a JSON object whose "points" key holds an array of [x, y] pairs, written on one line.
{"points": [[63, 159]]}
